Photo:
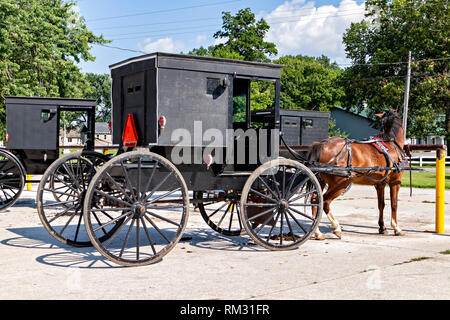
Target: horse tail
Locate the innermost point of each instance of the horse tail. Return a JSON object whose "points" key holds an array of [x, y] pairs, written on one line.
{"points": [[315, 153]]}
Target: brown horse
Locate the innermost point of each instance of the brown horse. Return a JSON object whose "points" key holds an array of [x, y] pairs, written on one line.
{"points": [[342, 152]]}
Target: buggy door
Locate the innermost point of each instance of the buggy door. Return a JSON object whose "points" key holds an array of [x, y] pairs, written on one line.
{"points": [[32, 127]]}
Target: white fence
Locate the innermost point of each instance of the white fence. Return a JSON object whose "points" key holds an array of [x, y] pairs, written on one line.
{"points": [[421, 160]]}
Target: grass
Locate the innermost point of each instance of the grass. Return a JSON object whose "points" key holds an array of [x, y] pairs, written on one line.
{"points": [[424, 179], [413, 260], [445, 252]]}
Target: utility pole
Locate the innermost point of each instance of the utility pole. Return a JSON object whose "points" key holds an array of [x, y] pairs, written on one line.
{"points": [[406, 97]]}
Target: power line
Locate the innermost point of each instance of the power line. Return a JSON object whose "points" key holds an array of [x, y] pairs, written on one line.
{"points": [[210, 30], [164, 10]]}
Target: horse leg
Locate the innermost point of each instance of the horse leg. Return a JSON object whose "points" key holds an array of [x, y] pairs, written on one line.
{"points": [[380, 193], [332, 193], [394, 188], [317, 234]]}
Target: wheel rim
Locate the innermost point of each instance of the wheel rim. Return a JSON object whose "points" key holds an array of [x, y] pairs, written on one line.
{"points": [[149, 194], [284, 199], [11, 180], [220, 210], [61, 193]]}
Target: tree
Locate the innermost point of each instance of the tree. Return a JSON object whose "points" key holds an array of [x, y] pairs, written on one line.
{"points": [[40, 44], [309, 83], [378, 47], [100, 89], [245, 36], [244, 39]]}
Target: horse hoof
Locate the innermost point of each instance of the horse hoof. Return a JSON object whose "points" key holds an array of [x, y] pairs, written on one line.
{"points": [[399, 233], [320, 237], [338, 234], [383, 231]]}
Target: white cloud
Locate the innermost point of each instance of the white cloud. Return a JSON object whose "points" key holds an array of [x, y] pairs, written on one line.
{"points": [[299, 27], [200, 38], [162, 45]]}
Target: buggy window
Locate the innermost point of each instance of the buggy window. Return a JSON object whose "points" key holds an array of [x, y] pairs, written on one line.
{"points": [[240, 99]]}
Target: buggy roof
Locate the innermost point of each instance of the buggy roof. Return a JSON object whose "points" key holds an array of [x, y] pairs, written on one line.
{"points": [[51, 101], [172, 61]]}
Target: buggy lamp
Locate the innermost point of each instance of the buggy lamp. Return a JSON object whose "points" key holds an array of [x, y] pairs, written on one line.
{"points": [[209, 160], [162, 122], [6, 137]]}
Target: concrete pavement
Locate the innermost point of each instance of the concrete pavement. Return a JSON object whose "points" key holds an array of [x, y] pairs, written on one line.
{"points": [[207, 265]]}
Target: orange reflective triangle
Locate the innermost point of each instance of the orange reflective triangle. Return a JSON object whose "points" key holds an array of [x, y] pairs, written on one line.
{"points": [[129, 137]]}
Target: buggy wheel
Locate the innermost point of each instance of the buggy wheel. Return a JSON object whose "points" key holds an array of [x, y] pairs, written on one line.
{"points": [[12, 179], [285, 199], [220, 210], [61, 193], [149, 193]]}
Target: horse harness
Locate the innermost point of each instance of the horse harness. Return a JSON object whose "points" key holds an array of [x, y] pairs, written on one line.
{"points": [[381, 146]]}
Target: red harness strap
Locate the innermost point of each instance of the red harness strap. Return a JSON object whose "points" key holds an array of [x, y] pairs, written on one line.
{"points": [[379, 144]]}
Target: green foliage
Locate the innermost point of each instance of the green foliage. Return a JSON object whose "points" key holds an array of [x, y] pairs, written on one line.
{"points": [[262, 95], [333, 131], [309, 83], [244, 39], [245, 36], [40, 42], [389, 31], [100, 89]]}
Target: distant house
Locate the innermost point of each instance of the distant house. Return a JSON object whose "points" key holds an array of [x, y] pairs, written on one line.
{"points": [[356, 125], [75, 137], [71, 138], [102, 134]]}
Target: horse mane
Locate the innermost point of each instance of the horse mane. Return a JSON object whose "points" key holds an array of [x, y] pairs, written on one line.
{"points": [[391, 126]]}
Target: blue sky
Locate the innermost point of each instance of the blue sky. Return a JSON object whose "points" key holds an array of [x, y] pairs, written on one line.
{"points": [[297, 26]]}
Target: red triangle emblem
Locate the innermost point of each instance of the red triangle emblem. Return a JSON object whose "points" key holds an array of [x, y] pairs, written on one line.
{"points": [[129, 137]]}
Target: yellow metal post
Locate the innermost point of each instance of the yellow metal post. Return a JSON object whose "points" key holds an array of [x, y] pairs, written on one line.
{"points": [[28, 183], [440, 190]]}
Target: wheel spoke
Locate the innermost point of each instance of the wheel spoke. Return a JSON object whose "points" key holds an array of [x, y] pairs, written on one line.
{"points": [[158, 186], [273, 227], [223, 216], [289, 225], [263, 195], [113, 198], [268, 188], [60, 214], [157, 229], [258, 230], [126, 238], [162, 218], [127, 180], [118, 186], [296, 221], [164, 195], [116, 232], [128, 213], [302, 214], [217, 210], [260, 214], [148, 235], [302, 196]]}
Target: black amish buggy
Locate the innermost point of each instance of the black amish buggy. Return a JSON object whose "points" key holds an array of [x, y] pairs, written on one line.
{"points": [[32, 139], [190, 134]]}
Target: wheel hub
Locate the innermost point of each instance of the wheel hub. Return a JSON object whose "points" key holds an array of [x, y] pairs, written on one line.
{"points": [[284, 204], [139, 210]]}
